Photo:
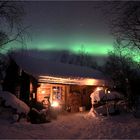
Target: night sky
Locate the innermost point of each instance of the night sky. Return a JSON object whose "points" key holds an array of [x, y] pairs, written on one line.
{"points": [[68, 25]]}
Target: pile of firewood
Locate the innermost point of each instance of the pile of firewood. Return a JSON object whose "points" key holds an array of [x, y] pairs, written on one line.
{"points": [[74, 101]]}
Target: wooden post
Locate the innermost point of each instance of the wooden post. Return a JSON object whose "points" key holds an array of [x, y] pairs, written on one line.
{"points": [[107, 110]]}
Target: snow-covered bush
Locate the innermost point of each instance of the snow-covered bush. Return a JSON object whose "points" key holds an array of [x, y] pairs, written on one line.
{"points": [[99, 94], [12, 101]]}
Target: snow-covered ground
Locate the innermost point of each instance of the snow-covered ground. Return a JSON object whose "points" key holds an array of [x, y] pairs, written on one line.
{"points": [[74, 126], [80, 125]]}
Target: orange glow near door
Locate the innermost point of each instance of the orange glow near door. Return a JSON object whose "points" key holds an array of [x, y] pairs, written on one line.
{"points": [[43, 91]]}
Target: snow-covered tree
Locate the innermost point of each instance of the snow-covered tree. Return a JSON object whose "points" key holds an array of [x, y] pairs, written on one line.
{"points": [[123, 70]]}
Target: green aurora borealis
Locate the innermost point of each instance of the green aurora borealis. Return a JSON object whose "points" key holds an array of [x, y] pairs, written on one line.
{"points": [[99, 49], [67, 26], [89, 47]]}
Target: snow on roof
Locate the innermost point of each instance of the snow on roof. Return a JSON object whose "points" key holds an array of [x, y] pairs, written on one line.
{"points": [[41, 69], [14, 102]]}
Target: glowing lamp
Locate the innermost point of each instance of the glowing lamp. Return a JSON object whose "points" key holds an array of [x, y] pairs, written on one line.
{"points": [[108, 91], [55, 104], [43, 91]]}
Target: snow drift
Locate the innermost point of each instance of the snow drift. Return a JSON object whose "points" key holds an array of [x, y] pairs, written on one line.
{"points": [[12, 101], [99, 94]]}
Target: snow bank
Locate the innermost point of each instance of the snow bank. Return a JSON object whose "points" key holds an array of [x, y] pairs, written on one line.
{"points": [[99, 95], [14, 102]]}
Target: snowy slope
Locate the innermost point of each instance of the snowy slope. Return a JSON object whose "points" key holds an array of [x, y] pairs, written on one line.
{"points": [[11, 100]]}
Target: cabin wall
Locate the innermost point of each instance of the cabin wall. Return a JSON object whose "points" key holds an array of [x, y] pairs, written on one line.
{"points": [[72, 96], [55, 92], [25, 87], [17, 81]]}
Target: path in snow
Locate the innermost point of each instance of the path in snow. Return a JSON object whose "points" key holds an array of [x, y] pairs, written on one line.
{"points": [[76, 126]]}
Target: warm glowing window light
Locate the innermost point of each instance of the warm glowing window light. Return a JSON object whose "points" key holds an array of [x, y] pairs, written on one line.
{"points": [[55, 104], [99, 88]]}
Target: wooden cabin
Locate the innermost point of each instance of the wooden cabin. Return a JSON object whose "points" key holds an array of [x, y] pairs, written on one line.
{"points": [[68, 84]]}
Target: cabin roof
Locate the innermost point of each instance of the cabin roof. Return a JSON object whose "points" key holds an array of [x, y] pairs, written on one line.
{"points": [[48, 71]]}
